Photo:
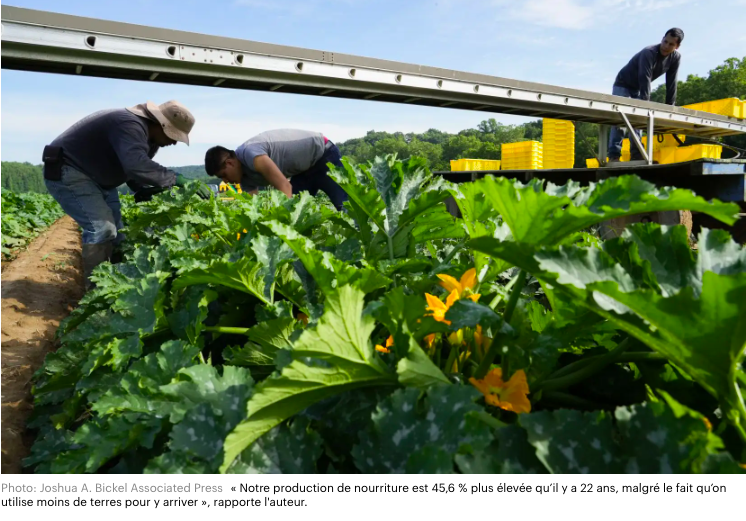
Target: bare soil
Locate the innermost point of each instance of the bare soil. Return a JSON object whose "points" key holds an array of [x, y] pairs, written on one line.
{"points": [[39, 288]]}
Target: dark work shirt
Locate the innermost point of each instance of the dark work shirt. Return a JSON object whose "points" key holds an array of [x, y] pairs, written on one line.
{"points": [[646, 66], [111, 147]]}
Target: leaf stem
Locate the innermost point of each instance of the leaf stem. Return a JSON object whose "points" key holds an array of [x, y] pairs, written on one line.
{"points": [[515, 293], [623, 358], [432, 250], [227, 330], [484, 365], [498, 298], [570, 400], [584, 372]]}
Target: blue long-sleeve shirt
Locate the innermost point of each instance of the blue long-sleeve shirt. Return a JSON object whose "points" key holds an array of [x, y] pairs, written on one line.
{"points": [[646, 66], [112, 147]]}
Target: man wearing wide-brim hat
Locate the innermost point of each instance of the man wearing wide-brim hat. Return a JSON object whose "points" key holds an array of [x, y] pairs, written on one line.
{"points": [[85, 164]]}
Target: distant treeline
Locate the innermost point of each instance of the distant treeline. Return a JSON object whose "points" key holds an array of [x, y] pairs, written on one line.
{"points": [[25, 177], [22, 177]]}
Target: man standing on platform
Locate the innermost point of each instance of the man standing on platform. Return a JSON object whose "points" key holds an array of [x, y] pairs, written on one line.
{"points": [[635, 78]]}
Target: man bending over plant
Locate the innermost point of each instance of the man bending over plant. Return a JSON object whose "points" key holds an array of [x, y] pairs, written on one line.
{"points": [[290, 160], [85, 164]]}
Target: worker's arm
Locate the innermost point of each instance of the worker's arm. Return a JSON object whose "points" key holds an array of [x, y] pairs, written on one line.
{"points": [[672, 82], [130, 143], [269, 171], [645, 74]]}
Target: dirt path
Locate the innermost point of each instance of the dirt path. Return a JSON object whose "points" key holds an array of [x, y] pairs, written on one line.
{"points": [[39, 288]]}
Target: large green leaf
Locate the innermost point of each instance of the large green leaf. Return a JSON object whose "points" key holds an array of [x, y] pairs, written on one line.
{"points": [[98, 441], [286, 449], [328, 272], [418, 370], [704, 335], [265, 339], [190, 312], [356, 181], [547, 215], [334, 357], [480, 219], [244, 274], [409, 437], [403, 205], [509, 453], [272, 253], [648, 438]]}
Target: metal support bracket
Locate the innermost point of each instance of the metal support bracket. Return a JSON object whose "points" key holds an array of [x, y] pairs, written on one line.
{"points": [[651, 134], [603, 144], [634, 139]]}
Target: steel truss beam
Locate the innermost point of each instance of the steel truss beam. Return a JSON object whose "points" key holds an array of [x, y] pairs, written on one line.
{"points": [[50, 42]]}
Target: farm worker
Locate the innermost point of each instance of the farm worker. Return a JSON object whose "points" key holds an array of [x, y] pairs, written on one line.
{"points": [[290, 160], [634, 80], [85, 164]]}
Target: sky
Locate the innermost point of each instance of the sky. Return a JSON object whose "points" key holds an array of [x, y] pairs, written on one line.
{"points": [[571, 43]]}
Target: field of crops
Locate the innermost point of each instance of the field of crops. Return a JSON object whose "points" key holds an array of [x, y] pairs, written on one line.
{"points": [[24, 216], [266, 335]]}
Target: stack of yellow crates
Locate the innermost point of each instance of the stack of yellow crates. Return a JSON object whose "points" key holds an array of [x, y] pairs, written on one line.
{"points": [[731, 107], [668, 151], [525, 155], [468, 165], [559, 143]]}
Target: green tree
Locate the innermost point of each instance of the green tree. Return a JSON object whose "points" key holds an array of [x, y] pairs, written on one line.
{"points": [[22, 177]]}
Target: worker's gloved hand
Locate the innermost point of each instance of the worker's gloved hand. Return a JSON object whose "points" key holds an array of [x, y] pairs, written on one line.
{"points": [[204, 192]]}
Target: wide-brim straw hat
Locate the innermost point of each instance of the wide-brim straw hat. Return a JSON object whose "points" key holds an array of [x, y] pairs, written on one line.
{"points": [[174, 117]]}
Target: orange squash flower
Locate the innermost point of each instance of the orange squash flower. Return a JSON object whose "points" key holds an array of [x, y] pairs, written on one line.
{"points": [[463, 286], [389, 343], [511, 395]]}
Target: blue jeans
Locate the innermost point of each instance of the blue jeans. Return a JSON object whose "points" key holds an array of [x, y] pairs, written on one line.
{"points": [[316, 178], [616, 135], [97, 210]]}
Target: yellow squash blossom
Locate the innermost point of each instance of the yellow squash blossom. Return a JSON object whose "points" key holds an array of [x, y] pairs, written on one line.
{"points": [[510, 395], [430, 340], [389, 343], [481, 341], [238, 236], [466, 284], [456, 338], [439, 308], [463, 357]]}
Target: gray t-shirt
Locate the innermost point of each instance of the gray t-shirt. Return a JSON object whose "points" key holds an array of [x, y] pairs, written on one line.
{"points": [[293, 151], [111, 147]]}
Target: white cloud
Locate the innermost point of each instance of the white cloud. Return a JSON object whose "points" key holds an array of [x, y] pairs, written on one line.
{"points": [[579, 14]]}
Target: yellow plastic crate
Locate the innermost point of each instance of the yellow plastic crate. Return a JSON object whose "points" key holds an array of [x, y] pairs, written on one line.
{"points": [[565, 163], [528, 165], [668, 141], [667, 155], [698, 151], [557, 125], [463, 165], [521, 147], [591, 163], [731, 107]]}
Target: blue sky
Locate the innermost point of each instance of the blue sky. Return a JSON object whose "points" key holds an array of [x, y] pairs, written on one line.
{"points": [[572, 43]]}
